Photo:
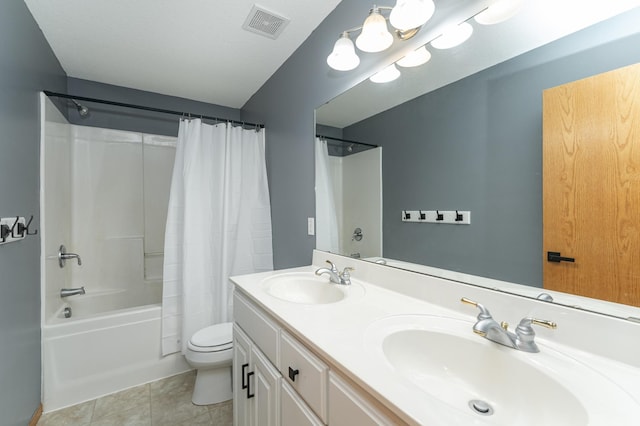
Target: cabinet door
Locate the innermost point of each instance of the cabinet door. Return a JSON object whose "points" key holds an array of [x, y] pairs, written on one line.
{"points": [[294, 412], [265, 390], [241, 367]]}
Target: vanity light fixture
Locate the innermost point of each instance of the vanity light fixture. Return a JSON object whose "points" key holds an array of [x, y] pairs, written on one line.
{"points": [[499, 11], [454, 36], [407, 17], [415, 58], [388, 74]]}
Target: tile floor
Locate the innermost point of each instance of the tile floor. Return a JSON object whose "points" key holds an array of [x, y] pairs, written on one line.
{"points": [[165, 402]]}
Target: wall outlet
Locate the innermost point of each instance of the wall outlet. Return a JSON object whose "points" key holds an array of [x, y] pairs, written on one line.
{"points": [[311, 226]]}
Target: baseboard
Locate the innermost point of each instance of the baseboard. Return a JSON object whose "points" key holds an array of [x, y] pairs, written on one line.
{"points": [[36, 416]]}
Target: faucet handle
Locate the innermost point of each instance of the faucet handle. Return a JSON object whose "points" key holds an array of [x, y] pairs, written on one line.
{"points": [[526, 322], [333, 266], [484, 312], [346, 271]]}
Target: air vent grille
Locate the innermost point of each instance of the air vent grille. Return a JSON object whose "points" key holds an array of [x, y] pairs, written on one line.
{"points": [[264, 22]]}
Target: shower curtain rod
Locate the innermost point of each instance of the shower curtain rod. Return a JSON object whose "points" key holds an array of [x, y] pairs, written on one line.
{"points": [[346, 141], [146, 108]]}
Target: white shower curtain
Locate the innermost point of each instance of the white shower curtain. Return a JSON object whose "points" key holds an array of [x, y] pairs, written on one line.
{"points": [[326, 214], [218, 225]]}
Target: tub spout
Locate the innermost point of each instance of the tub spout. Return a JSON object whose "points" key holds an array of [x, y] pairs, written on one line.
{"points": [[66, 292]]}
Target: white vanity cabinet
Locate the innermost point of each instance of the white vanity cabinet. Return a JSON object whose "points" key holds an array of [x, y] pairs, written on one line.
{"points": [[301, 390]]}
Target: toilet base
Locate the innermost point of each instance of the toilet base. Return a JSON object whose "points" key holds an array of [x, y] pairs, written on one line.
{"points": [[213, 385]]}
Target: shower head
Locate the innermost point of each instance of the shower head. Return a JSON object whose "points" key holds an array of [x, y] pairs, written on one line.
{"points": [[350, 148], [82, 110]]}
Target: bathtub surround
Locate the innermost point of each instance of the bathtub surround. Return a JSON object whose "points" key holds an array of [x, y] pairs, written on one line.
{"points": [[218, 224], [102, 195]]}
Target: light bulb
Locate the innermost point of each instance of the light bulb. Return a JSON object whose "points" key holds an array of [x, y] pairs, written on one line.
{"points": [[416, 58], [454, 36], [409, 14], [343, 57], [375, 36], [388, 74], [499, 11]]}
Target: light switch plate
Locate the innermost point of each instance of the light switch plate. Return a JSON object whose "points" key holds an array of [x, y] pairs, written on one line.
{"points": [[311, 226]]}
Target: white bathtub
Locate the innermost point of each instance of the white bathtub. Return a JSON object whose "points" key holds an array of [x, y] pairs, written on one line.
{"points": [[108, 345]]}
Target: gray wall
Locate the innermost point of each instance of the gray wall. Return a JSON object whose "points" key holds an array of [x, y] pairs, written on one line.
{"points": [[27, 65], [113, 117], [286, 104], [477, 145]]}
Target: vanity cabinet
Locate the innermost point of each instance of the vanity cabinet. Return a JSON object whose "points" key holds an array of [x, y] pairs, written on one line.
{"points": [[301, 390]]}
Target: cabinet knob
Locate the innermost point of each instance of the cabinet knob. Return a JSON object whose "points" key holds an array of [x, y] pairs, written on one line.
{"points": [[293, 373]]}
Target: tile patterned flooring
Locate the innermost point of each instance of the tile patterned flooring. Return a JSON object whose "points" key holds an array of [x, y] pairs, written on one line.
{"points": [[166, 402]]}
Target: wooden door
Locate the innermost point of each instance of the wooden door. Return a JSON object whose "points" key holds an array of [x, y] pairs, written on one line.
{"points": [[591, 186]]}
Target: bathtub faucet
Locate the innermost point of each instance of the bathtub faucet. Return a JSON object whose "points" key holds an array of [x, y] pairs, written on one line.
{"points": [[66, 292]]}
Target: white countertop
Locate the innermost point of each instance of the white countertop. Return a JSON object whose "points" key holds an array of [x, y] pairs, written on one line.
{"points": [[338, 331]]}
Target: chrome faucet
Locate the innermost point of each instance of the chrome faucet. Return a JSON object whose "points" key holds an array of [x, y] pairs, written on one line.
{"points": [[63, 256], [524, 337], [66, 292], [336, 277]]}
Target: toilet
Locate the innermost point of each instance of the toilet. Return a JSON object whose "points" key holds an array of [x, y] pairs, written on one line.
{"points": [[210, 351]]}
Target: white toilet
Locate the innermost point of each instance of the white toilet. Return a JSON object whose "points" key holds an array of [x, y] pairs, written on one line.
{"points": [[210, 351]]}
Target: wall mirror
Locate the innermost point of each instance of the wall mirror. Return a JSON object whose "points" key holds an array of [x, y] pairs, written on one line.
{"points": [[464, 132]]}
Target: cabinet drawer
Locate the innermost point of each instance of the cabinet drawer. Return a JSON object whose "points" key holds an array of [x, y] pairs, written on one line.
{"points": [[349, 407], [258, 325], [293, 411], [305, 373]]}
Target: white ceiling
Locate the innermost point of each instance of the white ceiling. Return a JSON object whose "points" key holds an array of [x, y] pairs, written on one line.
{"points": [[539, 22], [195, 49]]}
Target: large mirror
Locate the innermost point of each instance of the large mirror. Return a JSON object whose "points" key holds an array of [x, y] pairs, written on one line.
{"points": [[464, 132]]}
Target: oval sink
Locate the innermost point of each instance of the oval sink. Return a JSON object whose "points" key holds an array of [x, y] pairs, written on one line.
{"points": [[442, 357], [308, 288]]}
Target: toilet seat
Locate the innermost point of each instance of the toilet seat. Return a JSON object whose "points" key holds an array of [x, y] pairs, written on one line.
{"points": [[215, 338]]}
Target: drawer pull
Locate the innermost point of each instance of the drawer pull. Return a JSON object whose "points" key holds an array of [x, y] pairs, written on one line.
{"points": [[249, 394], [244, 383], [293, 373]]}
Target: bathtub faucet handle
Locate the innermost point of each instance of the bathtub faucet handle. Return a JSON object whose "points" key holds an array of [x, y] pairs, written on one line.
{"points": [[63, 256]]}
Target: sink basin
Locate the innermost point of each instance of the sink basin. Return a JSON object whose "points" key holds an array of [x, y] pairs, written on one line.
{"points": [[445, 360], [310, 289]]}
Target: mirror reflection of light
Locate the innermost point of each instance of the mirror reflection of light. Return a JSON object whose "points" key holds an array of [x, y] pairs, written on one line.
{"points": [[343, 57], [409, 14], [388, 74], [454, 36], [416, 58], [499, 11], [375, 36]]}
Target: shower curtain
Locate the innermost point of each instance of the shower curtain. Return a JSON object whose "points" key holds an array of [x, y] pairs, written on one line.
{"points": [[326, 214], [218, 225]]}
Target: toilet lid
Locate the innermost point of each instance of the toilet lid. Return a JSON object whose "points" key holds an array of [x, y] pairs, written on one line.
{"points": [[213, 336]]}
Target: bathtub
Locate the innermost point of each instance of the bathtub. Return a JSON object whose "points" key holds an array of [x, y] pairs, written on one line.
{"points": [[110, 343]]}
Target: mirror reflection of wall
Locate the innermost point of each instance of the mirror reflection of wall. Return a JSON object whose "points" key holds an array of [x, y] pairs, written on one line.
{"points": [[348, 196], [476, 144]]}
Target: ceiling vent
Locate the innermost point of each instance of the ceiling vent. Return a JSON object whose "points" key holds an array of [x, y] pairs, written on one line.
{"points": [[264, 22]]}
